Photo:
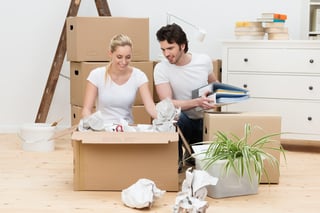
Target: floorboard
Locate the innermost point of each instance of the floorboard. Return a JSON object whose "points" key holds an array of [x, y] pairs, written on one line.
{"points": [[42, 182]]}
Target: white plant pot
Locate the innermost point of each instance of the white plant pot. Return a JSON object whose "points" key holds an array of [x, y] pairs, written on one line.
{"points": [[229, 184]]}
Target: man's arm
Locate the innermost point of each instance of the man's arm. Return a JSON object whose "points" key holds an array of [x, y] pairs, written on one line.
{"points": [[212, 78]]}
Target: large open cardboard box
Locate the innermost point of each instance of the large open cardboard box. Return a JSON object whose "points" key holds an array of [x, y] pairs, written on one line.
{"points": [[233, 122], [116, 160]]}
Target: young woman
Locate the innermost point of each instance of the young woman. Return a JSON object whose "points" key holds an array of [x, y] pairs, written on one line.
{"points": [[114, 87]]}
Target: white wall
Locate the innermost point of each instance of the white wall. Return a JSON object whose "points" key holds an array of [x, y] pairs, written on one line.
{"points": [[30, 32]]}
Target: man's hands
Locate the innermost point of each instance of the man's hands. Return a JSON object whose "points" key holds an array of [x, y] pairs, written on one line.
{"points": [[206, 102]]}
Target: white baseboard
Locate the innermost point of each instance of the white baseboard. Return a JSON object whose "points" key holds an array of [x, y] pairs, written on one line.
{"points": [[16, 128]]}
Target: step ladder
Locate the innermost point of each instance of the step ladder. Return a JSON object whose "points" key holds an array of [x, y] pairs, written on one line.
{"points": [[103, 10]]}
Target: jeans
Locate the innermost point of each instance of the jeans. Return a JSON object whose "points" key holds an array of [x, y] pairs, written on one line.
{"points": [[192, 130]]}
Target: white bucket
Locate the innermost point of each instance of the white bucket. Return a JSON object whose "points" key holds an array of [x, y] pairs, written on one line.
{"points": [[37, 137]]}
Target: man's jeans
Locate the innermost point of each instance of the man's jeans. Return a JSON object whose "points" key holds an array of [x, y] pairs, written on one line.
{"points": [[192, 130]]}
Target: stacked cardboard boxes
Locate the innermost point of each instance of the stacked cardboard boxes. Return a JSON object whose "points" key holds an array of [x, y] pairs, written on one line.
{"points": [[108, 160], [87, 47]]}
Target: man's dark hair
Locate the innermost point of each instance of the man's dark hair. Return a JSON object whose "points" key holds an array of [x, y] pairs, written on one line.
{"points": [[173, 33]]}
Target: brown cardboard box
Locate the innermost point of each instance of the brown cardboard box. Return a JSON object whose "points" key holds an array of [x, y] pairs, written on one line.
{"points": [[116, 160], [79, 72], [88, 38], [230, 122], [140, 115], [75, 114], [156, 98], [217, 69]]}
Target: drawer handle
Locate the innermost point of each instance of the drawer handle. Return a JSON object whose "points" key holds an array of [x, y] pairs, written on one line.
{"points": [[311, 61], [76, 72], [245, 60], [245, 86], [310, 87], [309, 118]]}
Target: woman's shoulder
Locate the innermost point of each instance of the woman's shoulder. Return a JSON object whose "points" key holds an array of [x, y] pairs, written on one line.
{"points": [[99, 69], [138, 74], [137, 71]]}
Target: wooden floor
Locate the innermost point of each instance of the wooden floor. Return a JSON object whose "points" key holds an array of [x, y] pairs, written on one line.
{"points": [[42, 182]]}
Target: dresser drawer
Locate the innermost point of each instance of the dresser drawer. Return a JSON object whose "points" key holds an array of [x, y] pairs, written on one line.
{"points": [[278, 86], [274, 60], [297, 117]]}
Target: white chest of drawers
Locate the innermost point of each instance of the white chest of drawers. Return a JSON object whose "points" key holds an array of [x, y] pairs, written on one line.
{"points": [[283, 77]]}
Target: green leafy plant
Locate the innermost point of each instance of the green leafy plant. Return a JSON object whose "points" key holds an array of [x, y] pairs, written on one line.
{"points": [[240, 155]]}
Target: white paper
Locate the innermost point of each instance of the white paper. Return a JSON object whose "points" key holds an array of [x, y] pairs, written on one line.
{"points": [[141, 194], [194, 191]]}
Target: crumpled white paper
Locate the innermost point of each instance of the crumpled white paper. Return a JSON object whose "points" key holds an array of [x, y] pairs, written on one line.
{"points": [[167, 115], [194, 191], [92, 122], [141, 194], [95, 122]]}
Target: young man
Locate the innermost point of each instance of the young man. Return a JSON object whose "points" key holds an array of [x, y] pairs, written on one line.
{"points": [[177, 76]]}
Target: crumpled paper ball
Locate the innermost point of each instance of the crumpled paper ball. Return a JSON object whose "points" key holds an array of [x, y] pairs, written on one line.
{"points": [[193, 192], [141, 194], [167, 114], [92, 122]]}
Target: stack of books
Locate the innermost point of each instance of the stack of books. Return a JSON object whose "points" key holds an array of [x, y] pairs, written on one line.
{"points": [[274, 25], [221, 93], [272, 17], [276, 31], [249, 30]]}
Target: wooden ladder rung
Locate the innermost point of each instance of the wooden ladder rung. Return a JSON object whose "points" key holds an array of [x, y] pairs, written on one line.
{"points": [[103, 8]]}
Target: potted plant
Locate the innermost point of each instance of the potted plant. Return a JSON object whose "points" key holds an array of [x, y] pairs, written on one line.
{"points": [[237, 163]]}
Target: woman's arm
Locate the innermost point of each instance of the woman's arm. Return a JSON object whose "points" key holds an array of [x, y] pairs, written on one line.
{"points": [[90, 97], [147, 100]]}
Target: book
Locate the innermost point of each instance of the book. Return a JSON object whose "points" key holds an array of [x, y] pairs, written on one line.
{"points": [[229, 100], [248, 24], [278, 36], [221, 93], [274, 16], [274, 24], [276, 30], [249, 29], [270, 20], [229, 93]]}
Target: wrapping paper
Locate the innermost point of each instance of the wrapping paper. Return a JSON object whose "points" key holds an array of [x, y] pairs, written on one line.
{"points": [[142, 194], [191, 199], [165, 121]]}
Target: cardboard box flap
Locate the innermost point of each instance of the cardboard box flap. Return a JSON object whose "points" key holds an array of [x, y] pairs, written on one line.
{"points": [[125, 137]]}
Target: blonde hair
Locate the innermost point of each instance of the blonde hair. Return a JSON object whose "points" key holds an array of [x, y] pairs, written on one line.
{"points": [[115, 42]]}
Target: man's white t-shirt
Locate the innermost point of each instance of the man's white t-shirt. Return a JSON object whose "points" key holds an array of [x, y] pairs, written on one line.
{"points": [[184, 79], [115, 101]]}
